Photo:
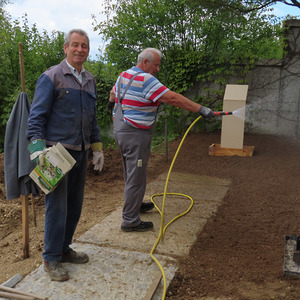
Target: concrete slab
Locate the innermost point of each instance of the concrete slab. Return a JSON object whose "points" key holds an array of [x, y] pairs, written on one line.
{"points": [[291, 265], [196, 186], [110, 274], [120, 264], [177, 239], [186, 177], [197, 191]]}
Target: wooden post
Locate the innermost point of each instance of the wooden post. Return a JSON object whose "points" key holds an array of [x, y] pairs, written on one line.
{"points": [[33, 211], [24, 198], [166, 141], [11, 293], [25, 226], [21, 60]]}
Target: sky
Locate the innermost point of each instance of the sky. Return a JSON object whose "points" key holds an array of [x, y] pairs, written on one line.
{"points": [[281, 10], [63, 15]]}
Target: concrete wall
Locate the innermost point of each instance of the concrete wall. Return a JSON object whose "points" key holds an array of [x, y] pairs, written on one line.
{"points": [[273, 101]]}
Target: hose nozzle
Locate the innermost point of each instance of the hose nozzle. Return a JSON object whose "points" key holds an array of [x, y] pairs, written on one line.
{"points": [[222, 113]]}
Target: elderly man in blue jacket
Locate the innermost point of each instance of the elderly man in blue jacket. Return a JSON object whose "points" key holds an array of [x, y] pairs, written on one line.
{"points": [[64, 110]]}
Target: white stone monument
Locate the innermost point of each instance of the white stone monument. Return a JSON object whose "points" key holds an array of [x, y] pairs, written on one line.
{"points": [[232, 134]]}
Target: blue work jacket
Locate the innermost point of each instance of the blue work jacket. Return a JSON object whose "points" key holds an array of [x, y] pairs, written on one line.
{"points": [[64, 110]]}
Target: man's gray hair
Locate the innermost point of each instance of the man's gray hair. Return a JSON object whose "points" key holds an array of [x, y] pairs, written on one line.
{"points": [[148, 53], [79, 31]]}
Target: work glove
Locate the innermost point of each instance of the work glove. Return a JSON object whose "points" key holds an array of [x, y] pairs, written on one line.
{"points": [[37, 149], [110, 106], [206, 112], [98, 157]]}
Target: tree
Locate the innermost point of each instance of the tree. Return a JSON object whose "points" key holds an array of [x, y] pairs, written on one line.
{"points": [[40, 52], [105, 75]]}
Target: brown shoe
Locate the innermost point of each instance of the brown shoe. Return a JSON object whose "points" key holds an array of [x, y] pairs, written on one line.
{"points": [[56, 271], [74, 257]]}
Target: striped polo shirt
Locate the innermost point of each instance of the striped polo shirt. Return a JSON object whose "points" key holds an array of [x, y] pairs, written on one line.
{"points": [[140, 102]]}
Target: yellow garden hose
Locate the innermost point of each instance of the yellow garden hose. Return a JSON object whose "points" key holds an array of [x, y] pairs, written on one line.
{"points": [[162, 227]]}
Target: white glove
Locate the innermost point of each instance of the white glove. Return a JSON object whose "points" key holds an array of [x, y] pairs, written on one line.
{"points": [[98, 160]]}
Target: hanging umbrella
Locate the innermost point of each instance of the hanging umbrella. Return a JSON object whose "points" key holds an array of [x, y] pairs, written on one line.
{"points": [[17, 163]]}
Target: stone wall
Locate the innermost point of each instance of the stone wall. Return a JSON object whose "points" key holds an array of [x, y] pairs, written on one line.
{"points": [[273, 101]]}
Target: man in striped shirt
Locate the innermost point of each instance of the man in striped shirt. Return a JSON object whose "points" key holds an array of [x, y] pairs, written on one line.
{"points": [[135, 98]]}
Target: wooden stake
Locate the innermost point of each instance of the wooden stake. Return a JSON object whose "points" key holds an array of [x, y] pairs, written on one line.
{"points": [[16, 293], [21, 60], [166, 140], [14, 296], [25, 226], [33, 210], [24, 198]]}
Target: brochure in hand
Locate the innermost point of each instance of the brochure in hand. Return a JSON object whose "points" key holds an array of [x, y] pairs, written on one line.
{"points": [[57, 163]]}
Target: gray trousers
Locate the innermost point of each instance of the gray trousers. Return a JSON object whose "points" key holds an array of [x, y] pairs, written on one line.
{"points": [[135, 146]]}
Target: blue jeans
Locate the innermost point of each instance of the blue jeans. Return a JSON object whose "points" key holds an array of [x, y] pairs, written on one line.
{"points": [[63, 209]]}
